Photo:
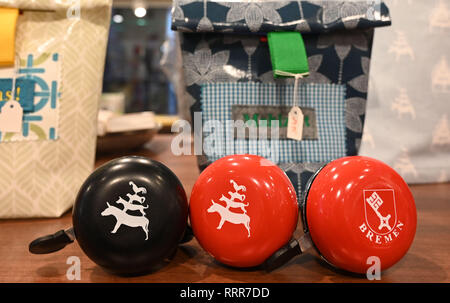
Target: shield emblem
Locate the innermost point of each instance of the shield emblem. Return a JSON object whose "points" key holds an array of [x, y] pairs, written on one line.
{"points": [[380, 210]]}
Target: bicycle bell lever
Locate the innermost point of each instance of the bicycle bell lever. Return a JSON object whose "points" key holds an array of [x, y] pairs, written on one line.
{"points": [[51, 243]]}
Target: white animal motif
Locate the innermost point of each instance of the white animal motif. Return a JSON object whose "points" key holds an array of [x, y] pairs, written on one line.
{"points": [[235, 196], [231, 203], [135, 197], [237, 187], [130, 206], [228, 216], [126, 219], [137, 189]]}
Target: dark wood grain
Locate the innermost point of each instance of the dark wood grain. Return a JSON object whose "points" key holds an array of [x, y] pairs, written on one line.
{"points": [[428, 260]]}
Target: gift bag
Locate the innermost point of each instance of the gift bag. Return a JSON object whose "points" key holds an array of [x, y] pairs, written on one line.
{"points": [[408, 114], [53, 56], [229, 76]]}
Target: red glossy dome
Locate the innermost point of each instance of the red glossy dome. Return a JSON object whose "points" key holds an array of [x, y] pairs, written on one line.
{"points": [[242, 209], [359, 207]]}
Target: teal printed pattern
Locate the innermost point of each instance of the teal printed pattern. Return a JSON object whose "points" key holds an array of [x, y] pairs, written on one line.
{"points": [[24, 93], [40, 119], [327, 99]]}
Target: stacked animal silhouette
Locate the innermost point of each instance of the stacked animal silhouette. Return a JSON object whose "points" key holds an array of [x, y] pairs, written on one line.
{"points": [[125, 218], [224, 211]]}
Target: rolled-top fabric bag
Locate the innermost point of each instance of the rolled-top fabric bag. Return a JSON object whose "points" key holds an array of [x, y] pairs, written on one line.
{"points": [[230, 62]]}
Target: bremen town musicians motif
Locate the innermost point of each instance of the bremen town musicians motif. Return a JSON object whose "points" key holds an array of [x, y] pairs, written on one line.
{"points": [[121, 214], [235, 201]]}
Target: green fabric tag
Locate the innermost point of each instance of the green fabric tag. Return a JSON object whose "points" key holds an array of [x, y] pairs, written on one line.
{"points": [[288, 54]]}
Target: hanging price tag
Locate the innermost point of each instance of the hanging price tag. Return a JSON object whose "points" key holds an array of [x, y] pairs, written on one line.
{"points": [[289, 59], [295, 124]]}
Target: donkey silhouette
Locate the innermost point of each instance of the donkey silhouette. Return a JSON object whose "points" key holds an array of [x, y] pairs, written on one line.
{"points": [[130, 206], [228, 216], [123, 218]]}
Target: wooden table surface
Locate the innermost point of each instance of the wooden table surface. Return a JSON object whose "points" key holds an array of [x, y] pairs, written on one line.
{"points": [[428, 260]]}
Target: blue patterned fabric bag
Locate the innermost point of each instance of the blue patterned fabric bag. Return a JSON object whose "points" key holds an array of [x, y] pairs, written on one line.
{"points": [[228, 75]]}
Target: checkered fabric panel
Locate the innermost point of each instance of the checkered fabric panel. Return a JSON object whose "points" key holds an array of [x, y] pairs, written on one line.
{"points": [[327, 99]]}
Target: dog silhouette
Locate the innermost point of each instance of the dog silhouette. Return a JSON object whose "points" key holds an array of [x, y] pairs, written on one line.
{"points": [[135, 197], [130, 206], [231, 203]]}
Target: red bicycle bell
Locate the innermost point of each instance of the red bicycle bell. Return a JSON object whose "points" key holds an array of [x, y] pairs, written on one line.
{"points": [[355, 208], [242, 209]]}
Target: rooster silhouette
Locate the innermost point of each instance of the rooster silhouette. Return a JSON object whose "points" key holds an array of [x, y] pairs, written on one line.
{"points": [[237, 187], [137, 189]]}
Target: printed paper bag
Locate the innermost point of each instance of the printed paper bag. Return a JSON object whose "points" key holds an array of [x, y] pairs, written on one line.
{"points": [[47, 143]]}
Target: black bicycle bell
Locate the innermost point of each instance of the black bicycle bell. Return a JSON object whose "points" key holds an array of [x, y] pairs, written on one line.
{"points": [[129, 216]]}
